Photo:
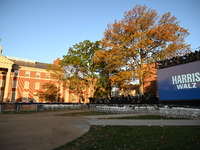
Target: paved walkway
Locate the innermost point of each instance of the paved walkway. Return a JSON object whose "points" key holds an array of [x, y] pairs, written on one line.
{"points": [[39, 131], [95, 120]]}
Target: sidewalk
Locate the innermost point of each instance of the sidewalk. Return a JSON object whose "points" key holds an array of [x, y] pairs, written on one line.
{"points": [[94, 120]]}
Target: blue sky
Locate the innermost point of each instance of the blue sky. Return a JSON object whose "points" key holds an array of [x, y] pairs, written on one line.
{"points": [[43, 30]]}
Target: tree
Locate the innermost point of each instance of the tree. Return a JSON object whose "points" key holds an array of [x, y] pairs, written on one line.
{"points": [[130, 46], [76, 70], [78, 61], [49, 92], [104, 85]]}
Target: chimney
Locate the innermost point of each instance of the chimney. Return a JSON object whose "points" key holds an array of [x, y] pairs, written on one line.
{"points": [[56, 62]]}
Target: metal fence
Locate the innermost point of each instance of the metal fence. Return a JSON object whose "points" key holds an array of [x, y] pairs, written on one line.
{"points": [[28, 107]]}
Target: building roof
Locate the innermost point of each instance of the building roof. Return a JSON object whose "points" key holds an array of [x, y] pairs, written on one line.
{"points": [[18, 63]]}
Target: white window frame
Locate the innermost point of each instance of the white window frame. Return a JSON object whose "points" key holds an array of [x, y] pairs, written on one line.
{"points": [[26, 85], [27, 74], [48, 76], [35, 97], [37, 85], [37, 75], [25, 96]]}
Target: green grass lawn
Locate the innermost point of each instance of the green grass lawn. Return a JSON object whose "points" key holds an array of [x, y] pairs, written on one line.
{"points": [[137, 138]]}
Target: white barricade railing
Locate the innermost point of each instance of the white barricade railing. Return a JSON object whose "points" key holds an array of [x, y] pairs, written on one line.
{"points": [[193, 113]]}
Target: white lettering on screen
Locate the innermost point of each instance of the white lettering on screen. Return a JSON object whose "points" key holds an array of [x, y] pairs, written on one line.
{"points": [[186, 81]]}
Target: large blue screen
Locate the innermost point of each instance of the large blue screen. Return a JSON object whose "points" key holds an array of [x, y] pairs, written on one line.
{"points": [[180, 82]]}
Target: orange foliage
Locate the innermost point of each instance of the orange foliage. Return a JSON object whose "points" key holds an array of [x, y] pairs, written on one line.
{"points": [[139, 39]]}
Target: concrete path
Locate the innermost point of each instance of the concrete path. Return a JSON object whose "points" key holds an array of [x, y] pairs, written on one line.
{"points": [[95, 120], [39, 131]]}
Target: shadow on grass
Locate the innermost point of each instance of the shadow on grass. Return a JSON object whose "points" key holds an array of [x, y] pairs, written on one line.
{"points": [[143, 138]]}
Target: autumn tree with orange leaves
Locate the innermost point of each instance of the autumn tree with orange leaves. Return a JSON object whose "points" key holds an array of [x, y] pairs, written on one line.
{"points": [[142, 37], [49, 92]]}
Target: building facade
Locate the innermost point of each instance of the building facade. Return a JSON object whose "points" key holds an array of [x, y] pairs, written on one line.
{"points": [[150, 81], [21, 79]]}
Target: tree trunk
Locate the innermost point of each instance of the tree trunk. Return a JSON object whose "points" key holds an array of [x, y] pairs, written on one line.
{"points": [[109, 88], [141, 86], [141, 74]]}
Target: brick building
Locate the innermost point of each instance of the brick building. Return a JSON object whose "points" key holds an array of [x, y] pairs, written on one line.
{"points": [[150, 81], [150, 84], [21, 79]]}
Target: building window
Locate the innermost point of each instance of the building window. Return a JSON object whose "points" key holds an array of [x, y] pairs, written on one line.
{"points": [[1, 83], [47, 76], [14, 96], [24, 96], [37, 74], [27, 74], [16, 72], [14, 84], [26, 85], [37, 85], [35, 97], [73, 98], [1, 95]]}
